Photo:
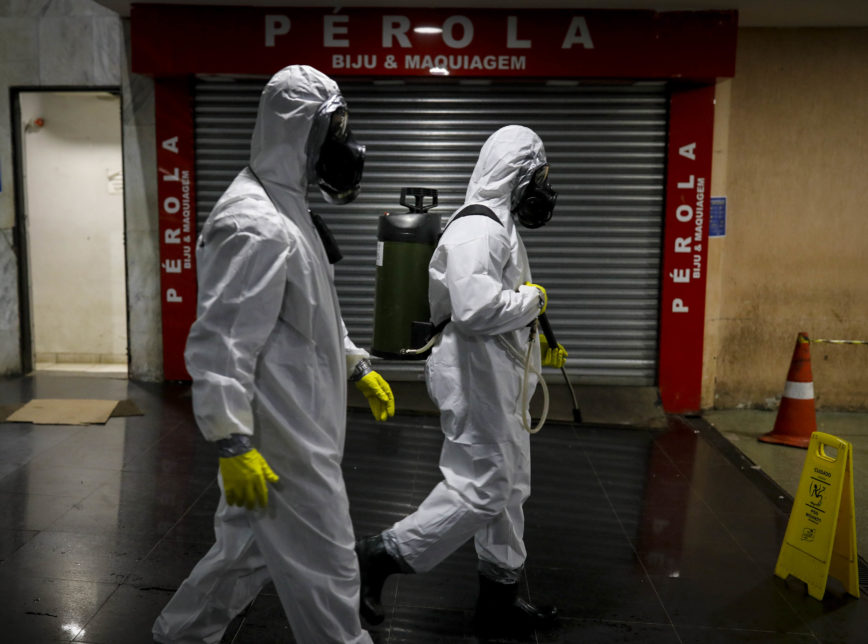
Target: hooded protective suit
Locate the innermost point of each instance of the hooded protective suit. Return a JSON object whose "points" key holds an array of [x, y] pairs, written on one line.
{"points": [[476, 278], [268, 354]]}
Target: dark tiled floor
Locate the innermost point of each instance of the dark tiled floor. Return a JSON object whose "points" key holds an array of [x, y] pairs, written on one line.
{"points": [[638, 535]]}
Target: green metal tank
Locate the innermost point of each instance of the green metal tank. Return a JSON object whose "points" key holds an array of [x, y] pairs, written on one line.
{"points": [[405, 243]]}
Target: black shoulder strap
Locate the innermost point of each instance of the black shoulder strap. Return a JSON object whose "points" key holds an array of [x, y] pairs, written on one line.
{"points": [[333, 252], [474, 209]]}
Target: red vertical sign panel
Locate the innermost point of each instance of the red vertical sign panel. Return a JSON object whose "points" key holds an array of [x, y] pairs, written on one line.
{"points": [[175, 190], [685, 248]]}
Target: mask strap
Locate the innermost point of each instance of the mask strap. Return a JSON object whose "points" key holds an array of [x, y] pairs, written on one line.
{"points": [[333, 251]]}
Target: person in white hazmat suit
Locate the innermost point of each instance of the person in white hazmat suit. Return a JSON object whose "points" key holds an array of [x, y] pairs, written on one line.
{"points": [[269, 357], [479, 280]]}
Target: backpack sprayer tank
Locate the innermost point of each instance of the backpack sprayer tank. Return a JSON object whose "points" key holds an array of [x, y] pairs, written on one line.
{"points": [[405, 243]]}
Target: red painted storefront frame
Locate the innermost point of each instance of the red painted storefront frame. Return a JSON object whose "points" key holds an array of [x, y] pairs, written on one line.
{"points": [[679, 46], [176, 163], [685, 248]]}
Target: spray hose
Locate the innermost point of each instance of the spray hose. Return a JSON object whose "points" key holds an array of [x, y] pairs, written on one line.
{"points": [[522, 360], [426, 347], [528, 368]]}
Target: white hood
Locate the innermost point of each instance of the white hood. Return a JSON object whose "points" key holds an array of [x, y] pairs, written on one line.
{"points": [[505, 161], [283, 123]]}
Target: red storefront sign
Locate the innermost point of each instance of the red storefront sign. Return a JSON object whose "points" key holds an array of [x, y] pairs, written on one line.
{"points": [[177, 219], [174, 42], [685, 248], [387, 41]]}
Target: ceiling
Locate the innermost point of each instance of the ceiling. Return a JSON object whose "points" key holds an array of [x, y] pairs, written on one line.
{"points": [[752, 13]]}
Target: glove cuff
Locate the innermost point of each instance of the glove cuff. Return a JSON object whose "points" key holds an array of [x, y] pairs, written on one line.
{"points": [[362, 369], [235, 445]]}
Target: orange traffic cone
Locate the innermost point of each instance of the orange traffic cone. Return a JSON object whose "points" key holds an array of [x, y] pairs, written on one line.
{"points": [[797, 419]]}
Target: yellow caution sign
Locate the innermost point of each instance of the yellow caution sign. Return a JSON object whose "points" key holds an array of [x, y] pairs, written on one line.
{"points": [[821, 532]]}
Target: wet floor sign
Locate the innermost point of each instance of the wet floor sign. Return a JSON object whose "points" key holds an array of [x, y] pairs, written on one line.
{"points": [[821, 533]]}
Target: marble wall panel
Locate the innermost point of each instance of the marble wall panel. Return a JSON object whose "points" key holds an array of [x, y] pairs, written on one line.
{"points": [[80, 43], [143, 252], [66, 50], [40, 8], [142, 225], [108, 62], [24, 8], [10, 351], [19, 39]]}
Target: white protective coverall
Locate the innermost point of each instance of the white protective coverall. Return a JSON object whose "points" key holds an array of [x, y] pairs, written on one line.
{"points": [[476, 278], [268, 354]]}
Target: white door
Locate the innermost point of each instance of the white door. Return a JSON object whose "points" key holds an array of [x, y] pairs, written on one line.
{"points": [[73, 202]]}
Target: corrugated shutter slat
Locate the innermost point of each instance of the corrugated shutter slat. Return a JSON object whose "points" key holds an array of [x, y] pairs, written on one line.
{"points": [[599, 258]]}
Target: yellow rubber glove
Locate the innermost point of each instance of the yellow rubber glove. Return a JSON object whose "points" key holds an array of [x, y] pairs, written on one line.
{"points": [[379, 395], [244, 478], [552, 357], [545, 297]]}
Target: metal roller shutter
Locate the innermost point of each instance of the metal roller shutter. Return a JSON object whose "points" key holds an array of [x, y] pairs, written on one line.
{"points": [[599, 258]]}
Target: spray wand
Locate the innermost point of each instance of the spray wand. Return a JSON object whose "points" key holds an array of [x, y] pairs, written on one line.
{"points": [[546, 327]]}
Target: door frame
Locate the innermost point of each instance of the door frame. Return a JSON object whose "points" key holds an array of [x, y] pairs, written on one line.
{"points": [[22, 250]]}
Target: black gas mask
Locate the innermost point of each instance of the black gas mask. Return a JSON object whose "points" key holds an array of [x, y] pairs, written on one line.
{"points": [[536, 202], [337, 163]]}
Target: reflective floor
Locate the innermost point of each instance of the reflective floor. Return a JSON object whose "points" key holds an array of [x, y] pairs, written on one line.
{"points": [[784, 464], [638, 535]]}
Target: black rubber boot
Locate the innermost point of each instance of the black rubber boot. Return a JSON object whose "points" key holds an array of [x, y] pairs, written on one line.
{"points": [[375, 565], [500, 612]]}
